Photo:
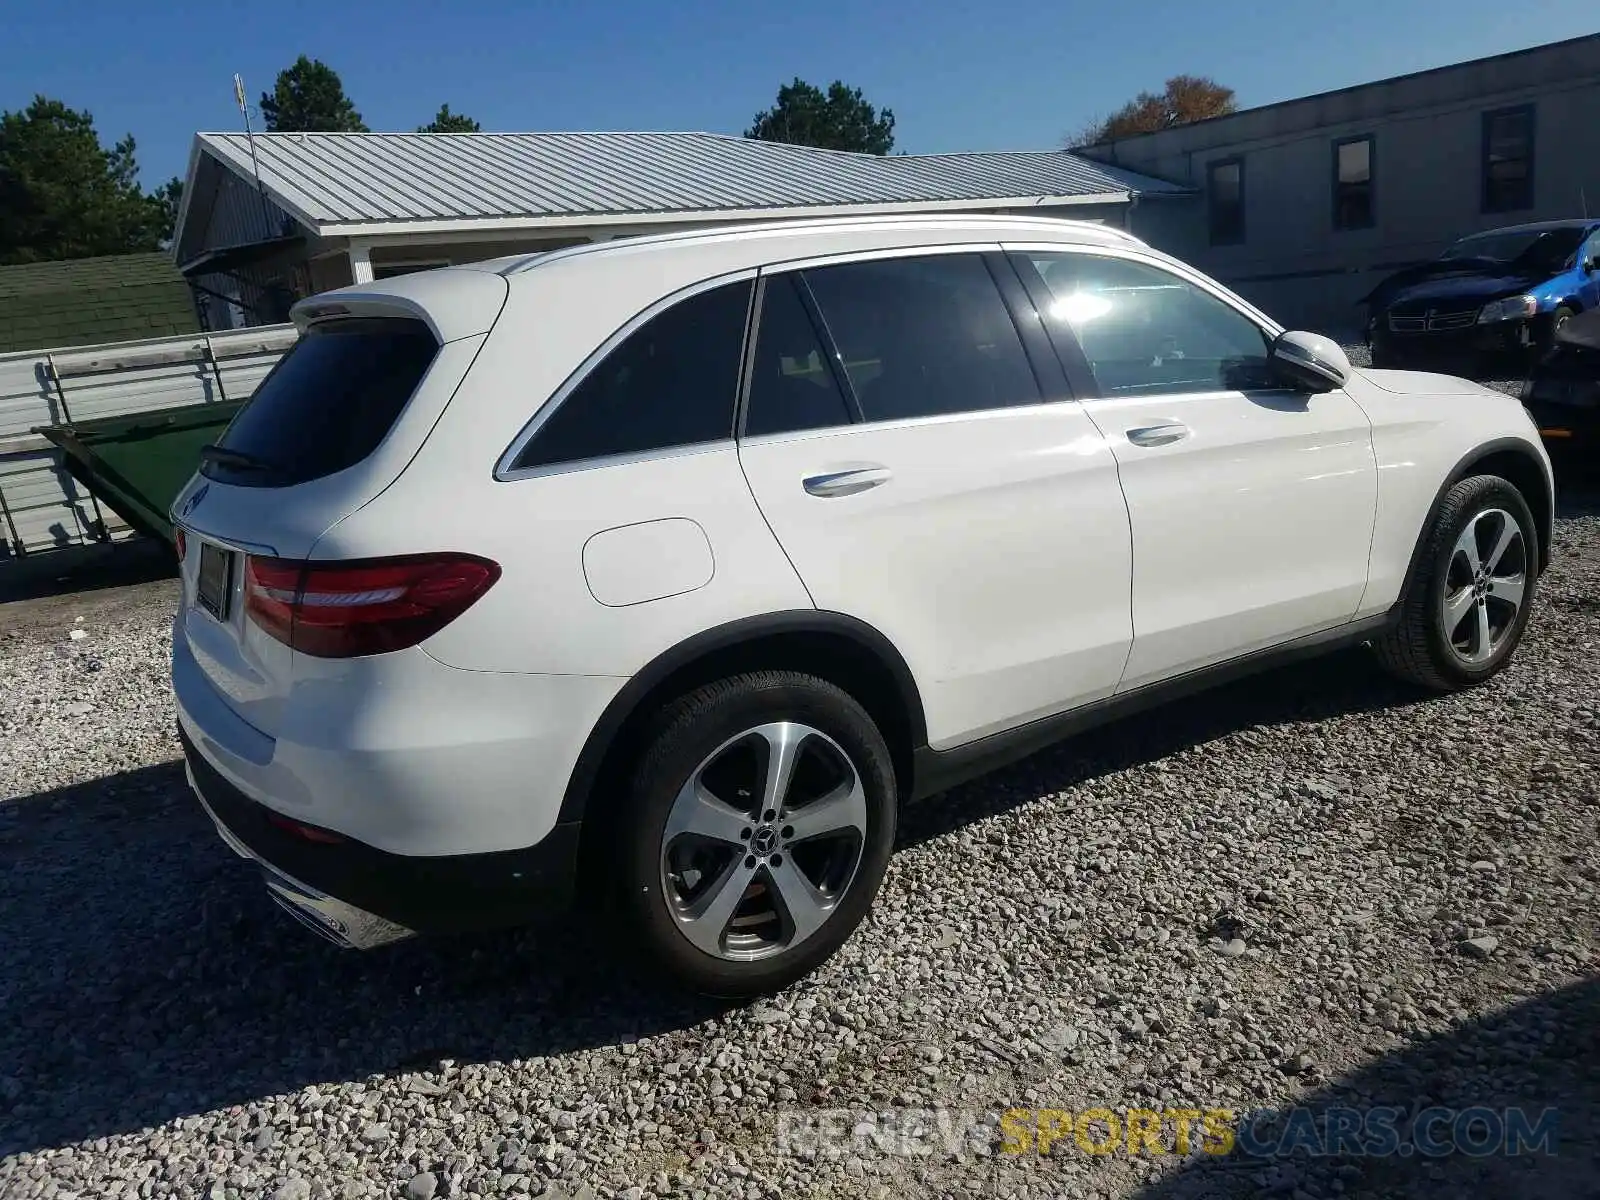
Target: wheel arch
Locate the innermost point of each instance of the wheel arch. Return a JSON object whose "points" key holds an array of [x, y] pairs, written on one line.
{"points": [[1516, 462], [843, 650]]}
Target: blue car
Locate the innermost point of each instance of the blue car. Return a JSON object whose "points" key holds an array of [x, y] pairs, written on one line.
{"points": [[1502, 291]]}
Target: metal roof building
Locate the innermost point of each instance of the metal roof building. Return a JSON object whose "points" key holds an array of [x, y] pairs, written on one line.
{"points": [[336, 208], [1303, 206]]}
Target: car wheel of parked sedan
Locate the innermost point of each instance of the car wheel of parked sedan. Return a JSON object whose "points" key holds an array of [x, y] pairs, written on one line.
{"points": [[757, 831], [1466, 608], [1560, 317]]}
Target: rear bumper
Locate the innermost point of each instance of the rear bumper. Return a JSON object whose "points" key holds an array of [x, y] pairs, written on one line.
{"points": [[361, 896], [399, 751]]}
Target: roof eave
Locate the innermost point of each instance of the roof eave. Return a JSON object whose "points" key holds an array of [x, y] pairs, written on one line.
{"points": [[182, 216], [534, 223], [291, 202]]}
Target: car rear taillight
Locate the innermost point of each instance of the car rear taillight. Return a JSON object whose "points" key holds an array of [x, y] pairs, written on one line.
{"points": [[347, 609], [178, 543]]}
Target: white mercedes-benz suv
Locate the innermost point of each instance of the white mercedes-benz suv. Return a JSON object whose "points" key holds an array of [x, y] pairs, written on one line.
{"points": [[671, 567]]}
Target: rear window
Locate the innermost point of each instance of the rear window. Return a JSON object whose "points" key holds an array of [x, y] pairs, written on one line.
{"points": [[326, 405]]}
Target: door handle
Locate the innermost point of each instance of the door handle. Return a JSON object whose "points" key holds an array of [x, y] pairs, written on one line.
{"points": [[1158, 435], [846, 483]]}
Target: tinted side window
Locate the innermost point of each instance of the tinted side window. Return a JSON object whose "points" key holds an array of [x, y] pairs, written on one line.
{"points": [[924, 336], [1145, 330], [328, 402], [791, 385], [673, 382]]}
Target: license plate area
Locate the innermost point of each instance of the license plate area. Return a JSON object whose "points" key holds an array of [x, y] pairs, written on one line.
{"points": [[214, 580]]}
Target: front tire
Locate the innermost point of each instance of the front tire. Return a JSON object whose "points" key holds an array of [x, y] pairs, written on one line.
{"points": [[1560, 317], [1465, 611], [756, 832]]}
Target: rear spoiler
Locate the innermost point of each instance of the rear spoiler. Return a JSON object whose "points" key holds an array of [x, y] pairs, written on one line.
{"points": [[453, 302]]}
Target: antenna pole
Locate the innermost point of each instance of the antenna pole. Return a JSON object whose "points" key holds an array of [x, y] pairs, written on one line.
{"points": [[255, 164]]}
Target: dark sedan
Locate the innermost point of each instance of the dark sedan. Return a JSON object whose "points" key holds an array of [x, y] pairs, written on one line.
{"points": [[1502, 291]]}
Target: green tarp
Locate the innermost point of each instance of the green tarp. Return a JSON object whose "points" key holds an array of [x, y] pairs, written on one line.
{"points": [[138, 464]]}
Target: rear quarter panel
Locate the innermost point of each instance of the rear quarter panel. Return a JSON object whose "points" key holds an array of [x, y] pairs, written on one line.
{"points": [[543, 615], [1424, 427]]}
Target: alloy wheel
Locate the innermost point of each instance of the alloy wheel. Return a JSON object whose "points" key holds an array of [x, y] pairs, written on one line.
{"points": [[1485, 585], [763, 841]]}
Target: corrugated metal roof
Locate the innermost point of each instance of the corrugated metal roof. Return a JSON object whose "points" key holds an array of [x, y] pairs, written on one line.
{"points": [[332, 179]]}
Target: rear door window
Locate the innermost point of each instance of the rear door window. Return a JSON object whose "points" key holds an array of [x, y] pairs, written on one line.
{"points": [[327, 404], [924, 337], [792, 386], [673, 382]]}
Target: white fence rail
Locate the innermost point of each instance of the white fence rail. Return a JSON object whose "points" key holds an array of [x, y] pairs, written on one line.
{"points": [[41, 506]]}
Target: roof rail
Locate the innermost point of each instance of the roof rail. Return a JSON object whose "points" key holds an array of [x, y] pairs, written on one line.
{"points": [[522, 263]]}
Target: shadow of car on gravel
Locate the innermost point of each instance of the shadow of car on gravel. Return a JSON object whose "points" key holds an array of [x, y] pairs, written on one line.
{"points": [[148, 976], [92, 567], [1541, 1057], [1342, 683]]}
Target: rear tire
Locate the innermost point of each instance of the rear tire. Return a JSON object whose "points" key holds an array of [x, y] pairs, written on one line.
{"points": [[1465, 611], [735, 878]]}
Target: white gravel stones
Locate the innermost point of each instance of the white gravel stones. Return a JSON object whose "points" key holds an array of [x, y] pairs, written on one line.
{"points": [[1052, 936]]}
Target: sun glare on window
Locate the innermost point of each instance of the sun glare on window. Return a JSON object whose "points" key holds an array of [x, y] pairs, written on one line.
{"points": [[1080, 308]]}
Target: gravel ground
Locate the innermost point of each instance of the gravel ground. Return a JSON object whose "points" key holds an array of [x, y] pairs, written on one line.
{"points": [[1311, 888]]}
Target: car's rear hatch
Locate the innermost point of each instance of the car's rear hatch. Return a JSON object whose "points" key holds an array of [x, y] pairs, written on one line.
{"points": [[333, 425]]}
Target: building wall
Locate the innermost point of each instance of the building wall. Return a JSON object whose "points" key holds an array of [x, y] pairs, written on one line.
{"points": [[1427, 176], [329, 271], [240, 214], [237, 214]]}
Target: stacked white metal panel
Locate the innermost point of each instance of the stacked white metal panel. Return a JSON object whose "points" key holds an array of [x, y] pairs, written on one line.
{"points": [[41, 506]]}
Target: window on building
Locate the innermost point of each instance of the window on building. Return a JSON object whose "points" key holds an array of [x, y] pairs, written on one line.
{"points": [[1352, 183], [924, 336], [1225, 201], [673, 382], [792, 387], [1508, 159], [1145, 331]]}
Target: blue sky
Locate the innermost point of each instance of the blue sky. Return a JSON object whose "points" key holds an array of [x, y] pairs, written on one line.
{"points": [[959, 75]]}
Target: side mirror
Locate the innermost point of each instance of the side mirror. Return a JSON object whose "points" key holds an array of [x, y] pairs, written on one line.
{"points": [[1310, 361]]}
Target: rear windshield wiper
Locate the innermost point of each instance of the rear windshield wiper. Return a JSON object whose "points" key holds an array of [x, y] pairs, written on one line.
{"points": [[237, 460]]}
